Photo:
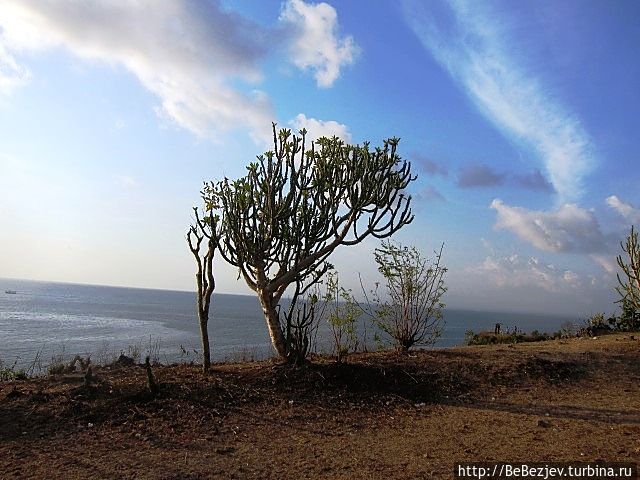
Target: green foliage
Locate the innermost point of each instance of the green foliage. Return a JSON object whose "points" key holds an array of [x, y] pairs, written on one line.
{"points": [[598, 324], [295, 205], [343, 316], [629, 319], [412, 314], [515, 336], [10, 372]]}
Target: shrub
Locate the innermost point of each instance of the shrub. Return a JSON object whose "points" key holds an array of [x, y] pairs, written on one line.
{"points": [[413, 314], [344, 312]]}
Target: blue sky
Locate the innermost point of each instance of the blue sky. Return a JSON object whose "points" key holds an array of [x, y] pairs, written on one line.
{"points": [[519, 118]]}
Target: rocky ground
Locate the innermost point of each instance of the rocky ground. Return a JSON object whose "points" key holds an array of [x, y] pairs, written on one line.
{"points": [[379, 416]]}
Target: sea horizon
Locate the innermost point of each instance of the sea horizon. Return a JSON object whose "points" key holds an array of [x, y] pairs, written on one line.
{"points": [[57, 320]]}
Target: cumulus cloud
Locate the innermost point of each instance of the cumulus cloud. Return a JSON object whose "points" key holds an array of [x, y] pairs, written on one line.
{"points": [[568, 228], [473, 45], [320, 128], [201, 60], [516, 271], [479, 176], [317, 45], [184, 52], [626, 210]]}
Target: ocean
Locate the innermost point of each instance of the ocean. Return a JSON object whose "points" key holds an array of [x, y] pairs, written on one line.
{"points": [[42, 321]]}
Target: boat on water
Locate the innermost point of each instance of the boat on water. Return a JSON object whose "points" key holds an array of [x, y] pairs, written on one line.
{"points": [[10, 292]]}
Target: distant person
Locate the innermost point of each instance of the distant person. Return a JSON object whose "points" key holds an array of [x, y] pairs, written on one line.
{"points": [[497, 328]]}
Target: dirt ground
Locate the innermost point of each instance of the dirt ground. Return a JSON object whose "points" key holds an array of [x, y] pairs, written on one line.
{"points": [[380, 416]]}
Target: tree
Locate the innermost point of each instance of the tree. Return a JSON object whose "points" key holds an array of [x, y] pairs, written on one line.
{"points": [[204, 229], [629, 289], [412, 315], [294, 207]]}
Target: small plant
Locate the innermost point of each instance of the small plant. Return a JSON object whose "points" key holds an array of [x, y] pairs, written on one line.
{"points": [[344, 312], [151, 381], [569, 329], [598, 324], [153, 350], [413, 313], [11, 372]]}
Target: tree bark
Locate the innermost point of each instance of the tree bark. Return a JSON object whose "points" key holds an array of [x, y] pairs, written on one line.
{"points": [[273, 324], [206, 352]]}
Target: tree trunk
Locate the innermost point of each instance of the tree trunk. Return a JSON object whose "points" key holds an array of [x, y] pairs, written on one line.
{"points": [[206, 353], [273, 324]]}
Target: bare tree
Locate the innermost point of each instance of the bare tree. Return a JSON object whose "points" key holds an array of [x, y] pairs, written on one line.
{"points": [[294, 207], [204, 230]]}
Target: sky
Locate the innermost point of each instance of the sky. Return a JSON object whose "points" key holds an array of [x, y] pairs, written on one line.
{"points": [[518, 118]]}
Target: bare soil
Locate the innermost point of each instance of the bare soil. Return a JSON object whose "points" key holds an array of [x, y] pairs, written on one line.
{"points": [[379, 416]]}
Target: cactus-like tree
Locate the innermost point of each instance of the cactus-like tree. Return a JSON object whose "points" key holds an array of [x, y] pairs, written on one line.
{"points": [[629, 288], [204, 229], [295, 206]]}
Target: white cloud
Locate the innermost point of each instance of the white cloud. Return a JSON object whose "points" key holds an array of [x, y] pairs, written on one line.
{"points": [[12, 75], [320, 128], [317, 46], [474, 47], [568, 228], [515, 271], [187, 53], [626, 210]]}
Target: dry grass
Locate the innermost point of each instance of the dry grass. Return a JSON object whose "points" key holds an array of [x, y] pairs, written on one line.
{"points": [[378, 416]]}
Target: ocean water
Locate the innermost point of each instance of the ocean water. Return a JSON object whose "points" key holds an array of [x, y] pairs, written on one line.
{"points": [[48, 320]]}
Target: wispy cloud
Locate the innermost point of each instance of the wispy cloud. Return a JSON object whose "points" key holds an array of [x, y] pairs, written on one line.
{"points": [[317, 46], [430, 166], [429, 194], [12, 75], [532, 181], [624, 209], [473, 46], [476, 175]]}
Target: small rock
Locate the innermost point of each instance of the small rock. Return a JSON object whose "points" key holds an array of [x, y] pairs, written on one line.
{"points": [[544, 423]]}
